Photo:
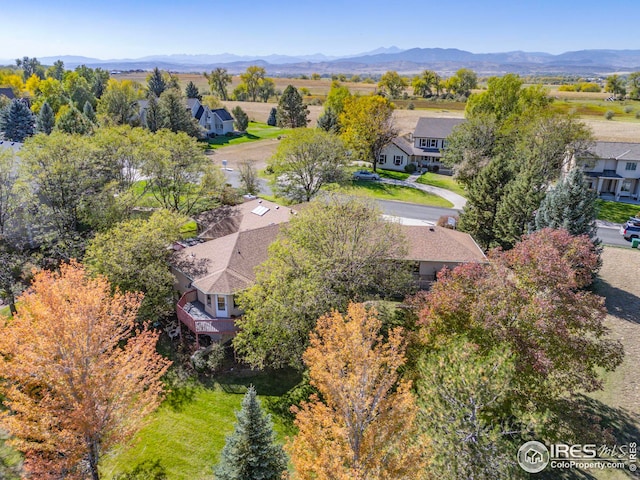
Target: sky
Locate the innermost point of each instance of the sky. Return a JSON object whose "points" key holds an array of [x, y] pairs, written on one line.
{"points": [[136, 28]]}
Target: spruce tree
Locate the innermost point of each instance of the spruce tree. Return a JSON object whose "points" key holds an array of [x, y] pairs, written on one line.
{"points": [[250, 452], [89, 112], [192, 91], [328, 121], [175, 115], [16, 121], [571, 205], [71, 120], [153, 117], [272, 121], [156, 83], [241, 119], [292, 112], [483, 198], [46, 119]]}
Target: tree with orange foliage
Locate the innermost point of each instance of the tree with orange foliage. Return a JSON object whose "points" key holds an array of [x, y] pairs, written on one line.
{"points": [[77, 377], [365, 425]]}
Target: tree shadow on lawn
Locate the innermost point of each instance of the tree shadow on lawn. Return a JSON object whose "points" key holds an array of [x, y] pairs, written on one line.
{"points": [[267, 382], [594, 422], [619, 303], [145, 470]]}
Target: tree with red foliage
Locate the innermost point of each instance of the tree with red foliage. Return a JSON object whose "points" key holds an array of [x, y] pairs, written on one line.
{"points": [[77, 377]]}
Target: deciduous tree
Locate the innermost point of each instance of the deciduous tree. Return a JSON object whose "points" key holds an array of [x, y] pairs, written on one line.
{"points": [[425, 84], [307, 160], [252, 79], [78, 379], [392, 83], [249, 177], [333, 251], [218, 81], [119, 103], [251, 452], [364, 425], [367, 126]]}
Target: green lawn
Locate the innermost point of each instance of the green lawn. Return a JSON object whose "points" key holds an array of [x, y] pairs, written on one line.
{"points": [[188, 431], [616, 212], [255, 131], [5, 312], [393, 175], [384, 191], [442, 181]]}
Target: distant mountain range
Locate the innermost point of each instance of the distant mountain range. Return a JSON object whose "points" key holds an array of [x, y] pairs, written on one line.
{"points": [[411, 61]]}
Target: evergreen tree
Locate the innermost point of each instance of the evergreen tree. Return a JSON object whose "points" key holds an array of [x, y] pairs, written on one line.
{"points": [[571, 205], [89, 112], [292, 112], [250, 452], [328, 121], [241, 119], [483, 198], [46, 119], [156, 83], [71, 120], [272, 121], [16, 121], [153, 118], [174, 114], [192, 91], [515, 214]]}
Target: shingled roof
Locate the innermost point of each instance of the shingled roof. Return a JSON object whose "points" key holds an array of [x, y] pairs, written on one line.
{"points": [[439, 244], [428, 127]]}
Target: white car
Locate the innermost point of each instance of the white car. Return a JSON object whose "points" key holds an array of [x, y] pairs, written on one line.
{"points": [[365, 175]]}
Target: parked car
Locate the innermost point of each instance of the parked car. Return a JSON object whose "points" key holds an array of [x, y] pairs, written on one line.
{"points": [[365, 175], [632, 222], [630, 232]]}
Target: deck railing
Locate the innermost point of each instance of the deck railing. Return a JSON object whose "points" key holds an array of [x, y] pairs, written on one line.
{"points": [[210, 326]]}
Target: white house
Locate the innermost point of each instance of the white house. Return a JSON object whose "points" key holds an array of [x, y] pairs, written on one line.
{"points": [[214, 122], [423, 147], [612, 169]]}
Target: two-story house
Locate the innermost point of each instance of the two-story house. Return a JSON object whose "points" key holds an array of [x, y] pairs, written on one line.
{"points": [[612, 169], [214, 122], [423, 147]]}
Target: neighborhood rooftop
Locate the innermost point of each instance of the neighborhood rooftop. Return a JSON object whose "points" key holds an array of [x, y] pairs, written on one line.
{"points": [[436, 127], [439, 244]]}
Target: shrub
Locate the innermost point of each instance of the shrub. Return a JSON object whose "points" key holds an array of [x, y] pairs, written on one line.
{"points": [[216, 356], [628, 109], [567, 88], [199, 361], [609, 114], [411, 106], [638, 114], [410, 168]]}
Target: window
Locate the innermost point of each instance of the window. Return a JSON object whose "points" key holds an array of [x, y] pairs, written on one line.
{"points": [[382, 160], [631, 166], [626, 185], [433, 143], [423, 142], [397, 159], [208, 300], [222, 302]]}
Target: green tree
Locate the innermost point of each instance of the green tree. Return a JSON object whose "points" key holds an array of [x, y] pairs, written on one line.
{"points": [[292, 112], [272, 121], [367, 126], [336, 97], [306, 161], [241, 119], [181, 177], [191, 91], [119, 103], [16, 121], [218, 81], [78, 90], [71, 120], [30, 66], [459, 388], [615, 85], [249, 177], [633, 82], [335, 250], [570, 205], [56, 70], [252, 79], [100, 81], [484, 194], [133, 256], [156, 82], [174, 114], [425, 84], [153, 116], [328, 121], [392, 83], [89, 113], [251, 452], [8, 196], [266, 89], [52, 92]]}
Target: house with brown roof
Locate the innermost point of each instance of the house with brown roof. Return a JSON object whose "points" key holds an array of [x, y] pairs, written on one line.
{"points": [[422, 148], [209, 275]]}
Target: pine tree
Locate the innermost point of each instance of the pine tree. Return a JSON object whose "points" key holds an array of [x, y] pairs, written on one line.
{"points": [[153, 118], [328, 121], [571, 205], [272, 121], [16, 121], [241, 119], [192, 91], [250, 452], [483, 198], [515, 214], [71, 120], [156, 83], [174, 114], [292, 112], [46, 119], [89, 112]]}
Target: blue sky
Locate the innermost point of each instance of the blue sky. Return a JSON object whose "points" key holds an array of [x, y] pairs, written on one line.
{"points": [[136, 28]]}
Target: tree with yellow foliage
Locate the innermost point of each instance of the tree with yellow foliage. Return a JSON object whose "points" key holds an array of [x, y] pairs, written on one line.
{"points": [[77, 378], [364, 427]]}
